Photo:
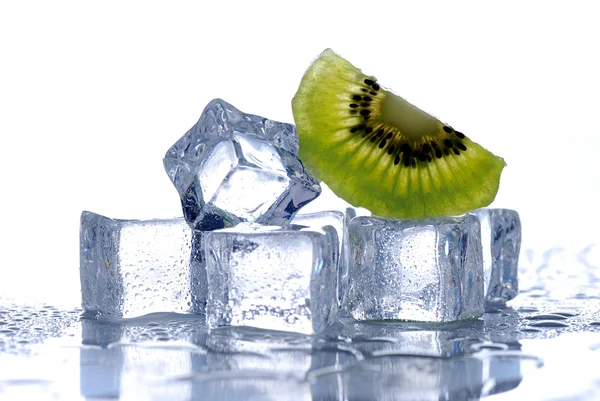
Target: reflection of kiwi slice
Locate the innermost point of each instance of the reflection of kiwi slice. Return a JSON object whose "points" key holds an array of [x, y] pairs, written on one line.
{"points": [[376, 150]]}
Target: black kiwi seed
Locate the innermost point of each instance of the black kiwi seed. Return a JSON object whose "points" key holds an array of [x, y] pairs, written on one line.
{"points": [[389, 135], [369, 82], [382, 144], [447, 129], [397, 159], [391, 150], [364, 105], [353, 105], [459, 134], [365, 112], [367, 98], [373, 138], [368, 130], [372, 93], [438, 153], [375, 86], [422, 157], [364, 89], [358, 98], [447, 143], [461, 146], [407, 158], [456, 151]]}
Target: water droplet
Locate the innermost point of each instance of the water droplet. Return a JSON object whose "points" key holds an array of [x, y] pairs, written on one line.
{"points": [[262, 310], [528, 309], [549, 324], [547, 316], [530, 330], [565, 313]]}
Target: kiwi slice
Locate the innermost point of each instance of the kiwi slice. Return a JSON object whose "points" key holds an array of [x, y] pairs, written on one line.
{"points": [[378, 151]]}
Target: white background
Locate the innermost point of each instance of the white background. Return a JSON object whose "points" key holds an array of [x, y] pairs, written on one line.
{"points": [[92, 94]]}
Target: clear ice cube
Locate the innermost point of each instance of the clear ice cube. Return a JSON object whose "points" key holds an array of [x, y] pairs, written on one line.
{"points": [[339, 221], [130, 268], [429, 270], [278, 278], [319, 220], [233, 167], [501, 242]]}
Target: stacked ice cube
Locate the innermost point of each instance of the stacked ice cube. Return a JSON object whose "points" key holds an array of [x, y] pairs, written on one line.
{"points": [[243, 255]]}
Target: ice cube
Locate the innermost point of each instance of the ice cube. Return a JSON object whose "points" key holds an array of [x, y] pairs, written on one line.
{"points": [[428, 270], [339, 221], [278, 278], [233, 167], [331, 218], [130, 268], [321, 219], [198, 280], [501, 242]]}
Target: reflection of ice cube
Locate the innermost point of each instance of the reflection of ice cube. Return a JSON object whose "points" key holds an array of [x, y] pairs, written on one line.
{"points": [[501, 241], [249, 349], [405, 377], [233, 167], [130, 268], [113, 366], [272, 277], [428, 270]]}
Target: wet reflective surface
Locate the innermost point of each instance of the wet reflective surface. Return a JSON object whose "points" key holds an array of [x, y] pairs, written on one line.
{"points": [[541, 346]]}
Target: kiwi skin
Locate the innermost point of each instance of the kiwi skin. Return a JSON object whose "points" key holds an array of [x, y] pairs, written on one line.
{"points": [[378, 151]]}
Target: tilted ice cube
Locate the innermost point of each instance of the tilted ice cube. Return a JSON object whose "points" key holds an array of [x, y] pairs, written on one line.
{"points": [[130, 268], [429, 270], [278, 278], [501, 242], [233, 167]]}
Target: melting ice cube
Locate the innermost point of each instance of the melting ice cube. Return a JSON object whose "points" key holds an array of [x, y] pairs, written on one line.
{"points": [[427, 270], [278, 278]]}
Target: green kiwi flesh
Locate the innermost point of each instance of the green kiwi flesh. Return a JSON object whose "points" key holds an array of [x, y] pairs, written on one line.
{"points": [[376, 150]]}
